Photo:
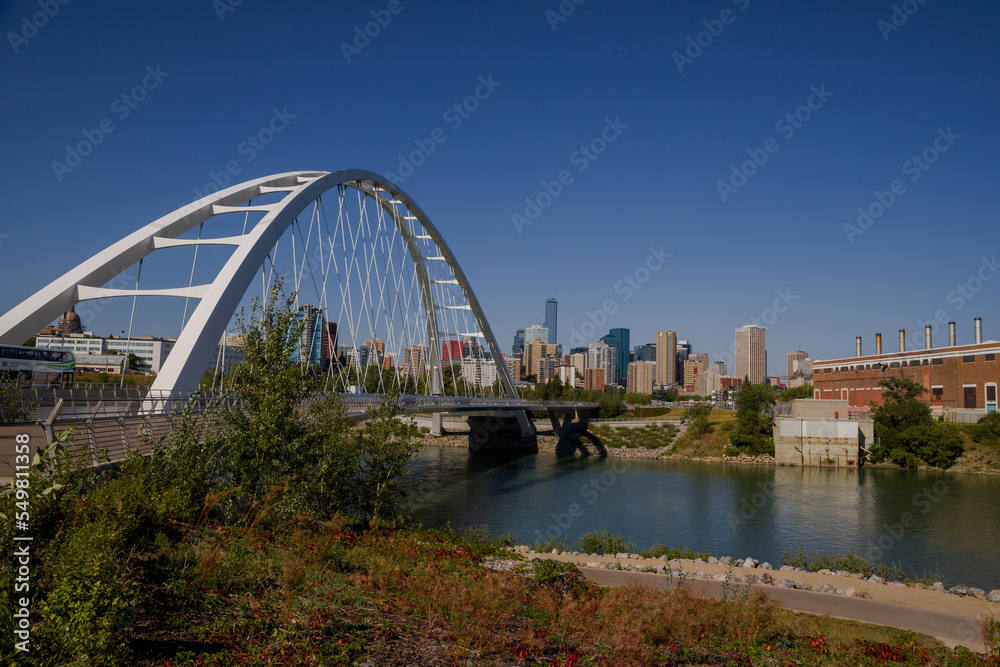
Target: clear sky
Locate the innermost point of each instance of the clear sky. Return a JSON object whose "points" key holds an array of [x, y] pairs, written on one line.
{"points": [[649, 124]]}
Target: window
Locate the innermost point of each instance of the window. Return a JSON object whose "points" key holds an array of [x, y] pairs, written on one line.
{"points": [[970, 396], [937, 394], [991, 357], [968, 359], [937, 361], [991, 393], [894, 364]]}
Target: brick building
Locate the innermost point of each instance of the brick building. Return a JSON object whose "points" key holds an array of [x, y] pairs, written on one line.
{"points": [[956, 377]]}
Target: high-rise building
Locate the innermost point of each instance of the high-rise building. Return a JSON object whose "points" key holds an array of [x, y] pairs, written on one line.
{"points": [[602, 355], [451, 351], [567, 375], [645, 352], [593, 378], [535, 332], [579, 362], [751, 353], [797, 355], [619, 339], [518, 349], [720, 368], [535, 351], [310, 347], [683, 350], [551, 316], [666, 357], [696, 364], [415, 360], [640, 377], [547, 366]]}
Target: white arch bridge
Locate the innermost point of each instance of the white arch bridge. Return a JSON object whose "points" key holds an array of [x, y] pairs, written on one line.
{"points": [[384, 303]]}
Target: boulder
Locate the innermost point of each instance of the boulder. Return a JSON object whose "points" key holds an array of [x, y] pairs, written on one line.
{"points": [[750, 562], [824, 571], [875, 579], [726, 560], [765, 566], [786, 583], [977, 593], [738, 578], [938, 586], [555, 552], [959, 590], [592, 564], [766, 578], [713, 560], [801, 586], [850, 592], [842, 573], [826, 588], [719, 577], [864, 595], [738, 562], [840, 591], [785, 568]]}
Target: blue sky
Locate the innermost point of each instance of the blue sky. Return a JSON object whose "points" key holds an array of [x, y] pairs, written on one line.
{"points": [[777, 239]]}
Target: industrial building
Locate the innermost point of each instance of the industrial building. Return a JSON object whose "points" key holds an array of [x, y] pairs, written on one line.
{"points": [[961, 380]]}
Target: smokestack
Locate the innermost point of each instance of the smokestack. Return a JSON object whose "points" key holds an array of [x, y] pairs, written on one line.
{"points": [[857, 344], [951, 334], [878, 343], [902, 340], [979, 330], [927, 337]]}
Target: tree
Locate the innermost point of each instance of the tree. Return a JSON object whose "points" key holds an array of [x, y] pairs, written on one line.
{"points": [[134, 361], [907, 433], [670, 394], [698, 422], [802, 391], [753, 432]]}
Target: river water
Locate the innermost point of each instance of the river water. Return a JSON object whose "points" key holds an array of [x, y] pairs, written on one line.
{"points": [[927, 521]]}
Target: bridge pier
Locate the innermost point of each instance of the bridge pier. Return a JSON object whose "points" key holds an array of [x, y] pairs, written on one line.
{"points": [[436, 421]]}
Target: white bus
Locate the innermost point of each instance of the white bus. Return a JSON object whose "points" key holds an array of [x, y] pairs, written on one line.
{"points": [[33, 367]]}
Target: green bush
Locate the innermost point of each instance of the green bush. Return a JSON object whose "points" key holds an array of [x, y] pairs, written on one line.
{"points": [[987, 430], [673, 553], [604, 542], [849, 562], [92, 597]]}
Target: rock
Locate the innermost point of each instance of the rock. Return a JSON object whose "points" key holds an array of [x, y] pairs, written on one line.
{"points": [[938, 586], [725, 560], [850, 592], [786, 583], [977, 593], [738, 562], [801, 586], [959, 590], [840, 591], [875, 579], [993, 596], [738, 578], [555, 552], [594, 563], [842, 573], [713, 560], [719, 577], [896, 584], [785, 568], [662, 569], [636, 568], [824, 571], [621, 555], [522, 549], [826, 588], [766, 578], [864, 596], [750, 562], [765, 566], [698, 575]]}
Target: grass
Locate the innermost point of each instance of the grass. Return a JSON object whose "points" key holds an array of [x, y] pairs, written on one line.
{"points": [[852, 562], [673, 553], [651, 436], [977, 457], [327, 594], [710, 445]]}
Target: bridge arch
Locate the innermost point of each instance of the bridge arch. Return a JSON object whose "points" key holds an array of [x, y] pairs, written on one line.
{"points": [[219, 298]]}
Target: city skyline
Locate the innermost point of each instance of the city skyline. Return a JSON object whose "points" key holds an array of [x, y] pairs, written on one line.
{"points": [[854, 146]]}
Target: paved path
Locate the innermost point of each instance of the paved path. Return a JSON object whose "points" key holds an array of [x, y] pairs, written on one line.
{"points": [[952, 629]]}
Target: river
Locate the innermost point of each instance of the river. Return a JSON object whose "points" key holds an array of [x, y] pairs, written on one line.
{"points": [[927, 521]]}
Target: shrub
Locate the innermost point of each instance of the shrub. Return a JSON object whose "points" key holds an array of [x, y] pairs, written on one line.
{"points": [[604, 542], [673, 553]]}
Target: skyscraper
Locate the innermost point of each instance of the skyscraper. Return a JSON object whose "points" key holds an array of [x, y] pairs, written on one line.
{"points": [[518, 349], [551, 315], [666, 357], [751, 353], [535, 332], [619, 339], [798, 355]]}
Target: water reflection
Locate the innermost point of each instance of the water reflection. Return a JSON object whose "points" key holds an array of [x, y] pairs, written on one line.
{"points": [[925, 520]]}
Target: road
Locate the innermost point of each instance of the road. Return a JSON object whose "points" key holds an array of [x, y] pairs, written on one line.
{"points": [[952, 629]]}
